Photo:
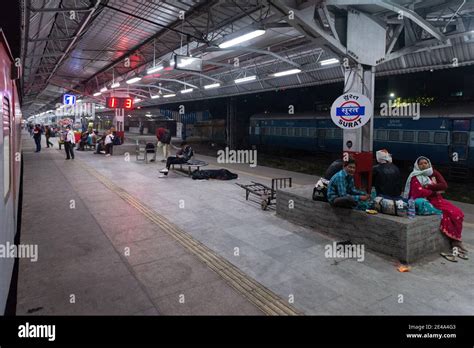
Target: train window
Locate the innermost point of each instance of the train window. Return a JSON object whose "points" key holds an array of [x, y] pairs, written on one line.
{"points": [[304, 132], [321, 133], [277, 131], [297, 132], [381, 135], [284, 131], [393, 135], [6, 147], [460, 138], [263, 130], [312, 132], [271, 131], [291, 132], [338, 133], [408, 136], [423, 137], [441, 138]]}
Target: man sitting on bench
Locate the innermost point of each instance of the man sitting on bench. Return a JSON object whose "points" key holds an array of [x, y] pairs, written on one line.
{"points": [[182, 156], [341, 189]]}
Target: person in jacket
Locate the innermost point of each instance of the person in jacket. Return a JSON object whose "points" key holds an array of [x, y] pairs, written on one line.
{"points": [[69, 142], [182, 156], [37, 137], [386, 176], [426, 182], [164, 140], [341, 189], [47, 135]]}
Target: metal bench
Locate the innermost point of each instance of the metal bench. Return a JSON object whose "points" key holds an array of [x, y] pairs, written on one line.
{"points": [[190, 164]]}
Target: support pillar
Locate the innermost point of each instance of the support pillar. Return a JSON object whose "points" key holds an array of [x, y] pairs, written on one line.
{"points": [[231, 123]]}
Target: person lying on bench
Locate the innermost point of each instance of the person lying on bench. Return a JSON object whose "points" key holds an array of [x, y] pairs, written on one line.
{"points": [[341, 189], [182, 156]]}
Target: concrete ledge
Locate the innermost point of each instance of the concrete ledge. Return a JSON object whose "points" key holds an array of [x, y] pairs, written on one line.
{"points": [[124, 148], [405, 239]]}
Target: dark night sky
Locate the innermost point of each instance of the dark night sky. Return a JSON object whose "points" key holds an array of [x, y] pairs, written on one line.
{"points": [[440, 84]]}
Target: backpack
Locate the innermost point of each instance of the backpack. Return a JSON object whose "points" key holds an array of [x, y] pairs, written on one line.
{"points": [[116, 141], [150, 148], [166, 137]]}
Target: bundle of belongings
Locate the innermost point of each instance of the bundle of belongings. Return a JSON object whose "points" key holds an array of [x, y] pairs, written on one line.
{"points": [[321, 189], [391, 206], [219, 174]]}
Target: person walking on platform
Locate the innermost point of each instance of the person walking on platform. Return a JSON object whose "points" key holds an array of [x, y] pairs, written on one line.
{"points": [[386, 176], [47, 135], [37, 137], [164, 141], [182, 156], [341, 189], [69, 143]]}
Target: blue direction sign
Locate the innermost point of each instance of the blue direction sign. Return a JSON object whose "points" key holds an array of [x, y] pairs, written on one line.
{"points": [[69, 99]]}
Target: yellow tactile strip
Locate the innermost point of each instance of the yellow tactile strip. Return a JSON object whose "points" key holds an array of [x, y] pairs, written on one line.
{"points": [[263, 298]]}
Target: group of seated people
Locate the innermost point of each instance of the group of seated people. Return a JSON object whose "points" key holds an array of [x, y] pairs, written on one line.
{"points": [[423, 182]]}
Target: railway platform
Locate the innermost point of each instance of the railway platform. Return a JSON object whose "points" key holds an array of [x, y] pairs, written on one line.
{"points": [[115, 239]]}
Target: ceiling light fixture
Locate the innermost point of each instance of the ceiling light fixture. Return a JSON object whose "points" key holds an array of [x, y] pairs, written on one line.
{"points": [[329, 61], [154, 69], [246, 79], [214, 85], [242, 38], [133, 80], [287, 72]]}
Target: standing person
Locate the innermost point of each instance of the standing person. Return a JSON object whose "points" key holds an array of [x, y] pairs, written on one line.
{"points": [[109, 143], [37, 137], [386, 176], [426, 182], [69, 142], [164, 141], [341, 189], [47, 134]]}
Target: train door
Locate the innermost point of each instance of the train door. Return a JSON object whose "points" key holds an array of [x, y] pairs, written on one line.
{"points": [[460, 140]]}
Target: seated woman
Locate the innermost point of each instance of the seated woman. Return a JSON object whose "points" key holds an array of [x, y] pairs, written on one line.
{"points": [[426, 182]]}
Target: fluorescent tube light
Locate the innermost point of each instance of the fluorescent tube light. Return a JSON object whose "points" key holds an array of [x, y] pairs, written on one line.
{"points": [[287, 72], [115, 85], [246, 79], [184, 91], [133, 80], [214, 85], [154, 69], [329, 61], [169, 95], [242, 38]]}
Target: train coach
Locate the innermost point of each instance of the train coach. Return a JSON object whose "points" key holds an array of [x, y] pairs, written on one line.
{"points": [[445, 135], [10, 171]]}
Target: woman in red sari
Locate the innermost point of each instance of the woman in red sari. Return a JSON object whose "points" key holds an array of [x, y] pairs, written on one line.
{"points": [[426, 182]]}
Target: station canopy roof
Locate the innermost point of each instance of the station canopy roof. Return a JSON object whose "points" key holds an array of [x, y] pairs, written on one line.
{"points": [[83, 46]]}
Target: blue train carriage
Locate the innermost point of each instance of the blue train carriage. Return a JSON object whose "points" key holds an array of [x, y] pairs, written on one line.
{"points": [[445, 135], [306, 131], [440, 134]]}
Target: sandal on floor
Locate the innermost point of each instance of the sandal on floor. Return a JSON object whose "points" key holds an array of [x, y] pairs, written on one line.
{"points": [[463, 256], [449, 257]]}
